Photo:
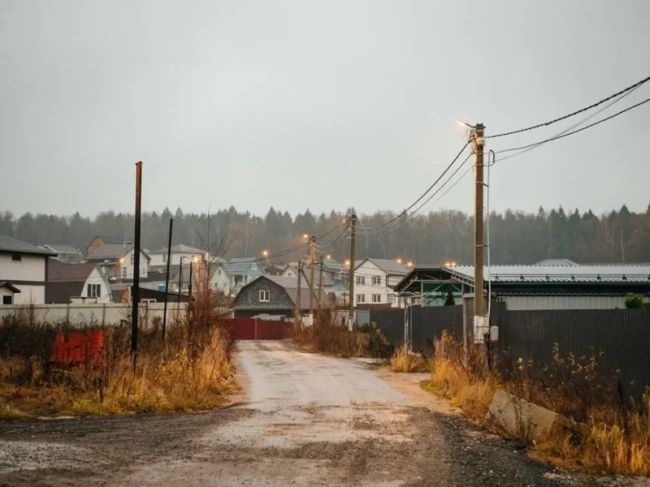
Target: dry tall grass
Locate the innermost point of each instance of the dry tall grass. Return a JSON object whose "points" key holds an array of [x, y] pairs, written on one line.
{"points": [[405, 361], [189, 371], [617, 436], [329, 337]]}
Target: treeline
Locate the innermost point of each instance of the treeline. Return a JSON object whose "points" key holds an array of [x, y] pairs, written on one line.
{"points": [[516, 237]]}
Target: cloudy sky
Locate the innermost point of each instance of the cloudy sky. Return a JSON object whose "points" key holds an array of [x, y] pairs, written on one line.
{"points": [[314, 104]]}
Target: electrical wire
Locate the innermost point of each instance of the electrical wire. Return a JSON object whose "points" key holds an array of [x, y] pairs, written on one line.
{"points": [[406, 210], [571, 127], [572, 114], [572, 132]]}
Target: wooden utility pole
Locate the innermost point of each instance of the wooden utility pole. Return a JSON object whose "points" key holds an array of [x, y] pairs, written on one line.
{"points": [[312, 264], [479, 247], [353, 237], [169, 253], [320, 282], [298, 310], [135, 288]]}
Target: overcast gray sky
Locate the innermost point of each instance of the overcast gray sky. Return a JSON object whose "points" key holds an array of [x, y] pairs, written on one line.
{"points": [[320, 105]]}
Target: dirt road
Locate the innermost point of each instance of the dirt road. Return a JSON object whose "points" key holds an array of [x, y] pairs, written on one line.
{"points": [[306, 419]]}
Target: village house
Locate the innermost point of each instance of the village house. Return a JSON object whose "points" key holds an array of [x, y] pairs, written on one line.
{"points": [[375, 280], [274, 296], [76, 282], [65, 253], [116, 259], [229, 277], [179, 252], [23, 271]]}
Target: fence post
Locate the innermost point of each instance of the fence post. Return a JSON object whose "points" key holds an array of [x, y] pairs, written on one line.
{"points": [[104, 314], [146, 314], [67, 313]]}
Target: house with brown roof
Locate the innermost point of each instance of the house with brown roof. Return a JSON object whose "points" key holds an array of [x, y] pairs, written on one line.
{"points": [[76, 282]]}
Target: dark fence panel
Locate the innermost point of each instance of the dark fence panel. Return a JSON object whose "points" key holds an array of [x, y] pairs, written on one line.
{"points": [[623, 337], [391, 324], [427, 324], [430, 322]]}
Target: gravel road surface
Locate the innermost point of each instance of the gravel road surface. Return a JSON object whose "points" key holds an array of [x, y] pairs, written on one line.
{"points": [[304, 419]]}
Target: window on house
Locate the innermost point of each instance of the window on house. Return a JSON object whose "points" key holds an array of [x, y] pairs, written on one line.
{"points": [[265, 295], [94, 290], [16, 257], [361, 298], [8, 299], [376, 280], [376, 298], [218, 272], [361, 279], [132, 257], [123, 272]]}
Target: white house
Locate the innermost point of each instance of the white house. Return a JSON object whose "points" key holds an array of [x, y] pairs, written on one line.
{"points": [[76, 282], [23, 271], [116, 260], [374, 282], [229, 277], [178, 252]]}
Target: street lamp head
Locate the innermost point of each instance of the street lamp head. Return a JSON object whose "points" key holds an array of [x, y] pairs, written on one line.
{"points": [[265, 253], [399, 260]]}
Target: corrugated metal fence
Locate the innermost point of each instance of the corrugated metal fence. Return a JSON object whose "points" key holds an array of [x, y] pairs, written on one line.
{"points": [[620, 338]]}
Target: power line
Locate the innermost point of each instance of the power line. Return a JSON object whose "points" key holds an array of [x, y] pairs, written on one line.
{"points": [[436, 181], [571, 127], [572, 114], [573, 132]]}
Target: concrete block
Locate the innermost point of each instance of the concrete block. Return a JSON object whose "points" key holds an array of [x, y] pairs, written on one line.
{"points": [[523, 419]]}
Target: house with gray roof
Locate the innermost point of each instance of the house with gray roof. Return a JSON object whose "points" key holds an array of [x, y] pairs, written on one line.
{"points": [[178, 252], [374, 280], [230, 276], [275, 296], [23, 271], [116, 259]]}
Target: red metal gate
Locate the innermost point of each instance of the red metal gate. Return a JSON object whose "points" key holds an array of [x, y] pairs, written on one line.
{"points": [[257, 329]]}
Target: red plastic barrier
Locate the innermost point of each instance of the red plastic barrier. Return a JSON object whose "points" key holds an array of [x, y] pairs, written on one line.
{"points": [[79, 348]]}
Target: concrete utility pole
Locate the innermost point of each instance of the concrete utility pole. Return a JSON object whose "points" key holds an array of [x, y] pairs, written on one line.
{"points": [[169, 253], [135, 288], [312, 264], [353, 237], [479, 248], [298, 310]]}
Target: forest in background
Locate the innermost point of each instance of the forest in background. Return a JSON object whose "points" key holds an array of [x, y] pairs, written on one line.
{"points": [[516, 237]]}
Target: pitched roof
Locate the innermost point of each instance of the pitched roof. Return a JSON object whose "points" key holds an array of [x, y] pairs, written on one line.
{"points": [[62, 249], [9, 286], [110, 251], [60, 292], [556, 262], [179, 249], [598, 273], [11, 244], [389, 266], [240, 265], [61, 272]]}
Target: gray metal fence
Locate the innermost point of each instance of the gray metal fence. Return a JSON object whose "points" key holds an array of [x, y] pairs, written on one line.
{"points": [[619, 338]]}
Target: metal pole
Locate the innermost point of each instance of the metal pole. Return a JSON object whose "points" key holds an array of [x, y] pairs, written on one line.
{"points": [[135, 288], [353, 236], [298, 310], [180, 278], [312, 263], [169, 254]]}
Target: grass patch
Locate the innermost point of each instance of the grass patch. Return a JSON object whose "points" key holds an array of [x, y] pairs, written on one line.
{"points": [[616, 438], [405, 361], [326, 336]]}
